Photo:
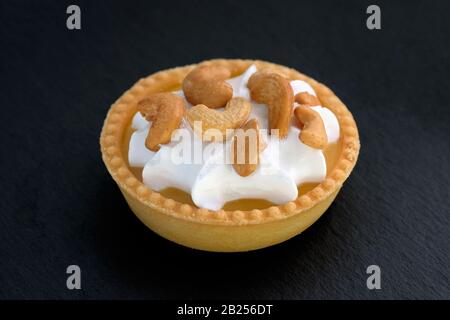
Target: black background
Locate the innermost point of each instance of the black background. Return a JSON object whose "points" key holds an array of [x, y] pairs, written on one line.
{"points": [[59, 206]]}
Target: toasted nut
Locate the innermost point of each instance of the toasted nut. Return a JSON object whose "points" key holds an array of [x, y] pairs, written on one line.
{"points": [[166, 111], [313, 133], [246, 153], [206, 85], [307, 99], [275, 91], [235, 114]]}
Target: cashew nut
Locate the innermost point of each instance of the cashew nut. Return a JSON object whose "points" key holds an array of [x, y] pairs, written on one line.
{"points": [[305, 98], [206, 85], [275, 91], [313, 133], [166, 111], [245, 150], [235, 114]]}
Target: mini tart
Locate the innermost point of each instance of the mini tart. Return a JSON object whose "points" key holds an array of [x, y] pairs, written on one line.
{"points": [[222, 231]]}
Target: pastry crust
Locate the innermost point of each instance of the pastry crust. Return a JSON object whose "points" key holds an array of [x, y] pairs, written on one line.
{"points": [[122, 111]]}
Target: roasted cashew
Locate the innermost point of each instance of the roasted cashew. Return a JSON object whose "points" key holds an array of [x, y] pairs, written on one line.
{"points": [[275, 91], [313, 133], [206, 85], [235, 114], [166, 111]]}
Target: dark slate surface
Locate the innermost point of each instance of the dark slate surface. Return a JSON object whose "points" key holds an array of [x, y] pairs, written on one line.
{"points": [[60, 207]]}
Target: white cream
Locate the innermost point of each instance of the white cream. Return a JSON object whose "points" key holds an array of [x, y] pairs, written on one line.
{"points": [[302, 86], [217, 183], [138, 154], [330, 122], [239, 84], [212, 182], [161, 172], [139, 122]]}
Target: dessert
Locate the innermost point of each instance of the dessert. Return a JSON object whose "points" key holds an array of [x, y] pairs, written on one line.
{"points": [[229, 155]]}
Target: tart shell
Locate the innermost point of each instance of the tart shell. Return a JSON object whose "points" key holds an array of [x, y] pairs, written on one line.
{"points": [[223, 231]]}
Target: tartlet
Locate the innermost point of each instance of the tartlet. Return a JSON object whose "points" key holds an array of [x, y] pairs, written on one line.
{"points": [[223, 231]]}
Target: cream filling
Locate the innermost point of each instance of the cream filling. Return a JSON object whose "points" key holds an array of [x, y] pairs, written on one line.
{"points": [[211, 180]]}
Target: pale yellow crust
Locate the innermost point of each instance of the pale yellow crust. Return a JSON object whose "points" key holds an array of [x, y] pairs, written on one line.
{"points": [[122, 111]]}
